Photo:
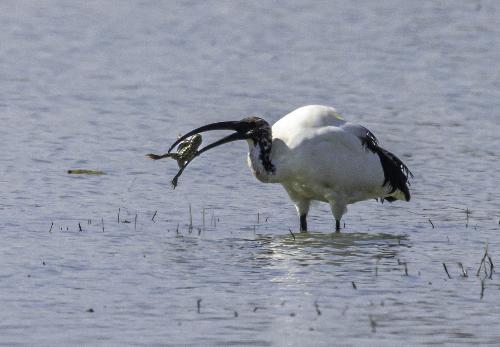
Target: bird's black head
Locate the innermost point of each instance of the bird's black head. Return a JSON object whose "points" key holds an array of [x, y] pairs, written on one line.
{"points": [[256, 129], [250, 128]]}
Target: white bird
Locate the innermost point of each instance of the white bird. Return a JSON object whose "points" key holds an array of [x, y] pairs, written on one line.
{"points": [[317, 155]]}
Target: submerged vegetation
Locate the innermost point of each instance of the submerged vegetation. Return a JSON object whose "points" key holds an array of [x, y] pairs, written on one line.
{"points": [[85, 172]]}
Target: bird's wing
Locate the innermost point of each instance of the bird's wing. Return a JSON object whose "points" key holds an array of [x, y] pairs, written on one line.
{"points": [[330, 155], [396, 173]]}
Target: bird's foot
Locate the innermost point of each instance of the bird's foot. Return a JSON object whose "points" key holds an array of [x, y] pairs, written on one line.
{"points": [[337, 225]]}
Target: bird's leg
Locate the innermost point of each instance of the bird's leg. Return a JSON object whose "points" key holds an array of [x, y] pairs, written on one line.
{"points": [[303, 222], [302, 207], [338, 209], [301, 204]]}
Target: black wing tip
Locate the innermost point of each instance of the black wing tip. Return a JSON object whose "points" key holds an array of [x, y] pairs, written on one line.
{"points": [[396, 173], [406, 193]]}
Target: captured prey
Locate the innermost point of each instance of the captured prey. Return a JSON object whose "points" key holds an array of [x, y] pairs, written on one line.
{"points": [[186, 151]]}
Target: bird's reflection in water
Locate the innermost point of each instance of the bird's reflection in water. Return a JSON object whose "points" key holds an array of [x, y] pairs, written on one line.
{"points": [[328, 248]]}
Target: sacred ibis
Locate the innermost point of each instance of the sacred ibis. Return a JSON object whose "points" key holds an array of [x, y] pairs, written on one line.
{"points": [[316, 155]]}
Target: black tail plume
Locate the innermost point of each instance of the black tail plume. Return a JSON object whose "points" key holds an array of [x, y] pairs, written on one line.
{"points": [[396, 173]]}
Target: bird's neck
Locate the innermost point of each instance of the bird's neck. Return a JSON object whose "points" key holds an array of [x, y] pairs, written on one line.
{"points": [[259, 159]]}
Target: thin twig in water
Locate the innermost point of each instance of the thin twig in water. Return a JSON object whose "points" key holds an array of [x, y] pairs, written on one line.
{"points": [[464, 272], [373, 324], [79, 227], [316, 306], [431, 223], [198, 305], [482, 288], [213, 220], [290, 230], [446, 270], [154, 215], [190, 219], [482, 260], [491, 267]]}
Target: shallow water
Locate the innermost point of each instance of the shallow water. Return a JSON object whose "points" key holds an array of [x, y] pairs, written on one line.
{"points": [[97, 86]]}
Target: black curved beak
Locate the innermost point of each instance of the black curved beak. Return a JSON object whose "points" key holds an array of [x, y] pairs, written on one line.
{"points": [[237, 126], [241, 133]]}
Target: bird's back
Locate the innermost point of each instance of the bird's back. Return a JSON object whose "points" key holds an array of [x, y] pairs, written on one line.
{"points": [[307, 117]]}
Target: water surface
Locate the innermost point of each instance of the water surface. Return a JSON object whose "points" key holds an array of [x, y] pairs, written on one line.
{"points": [[98, 85]]}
